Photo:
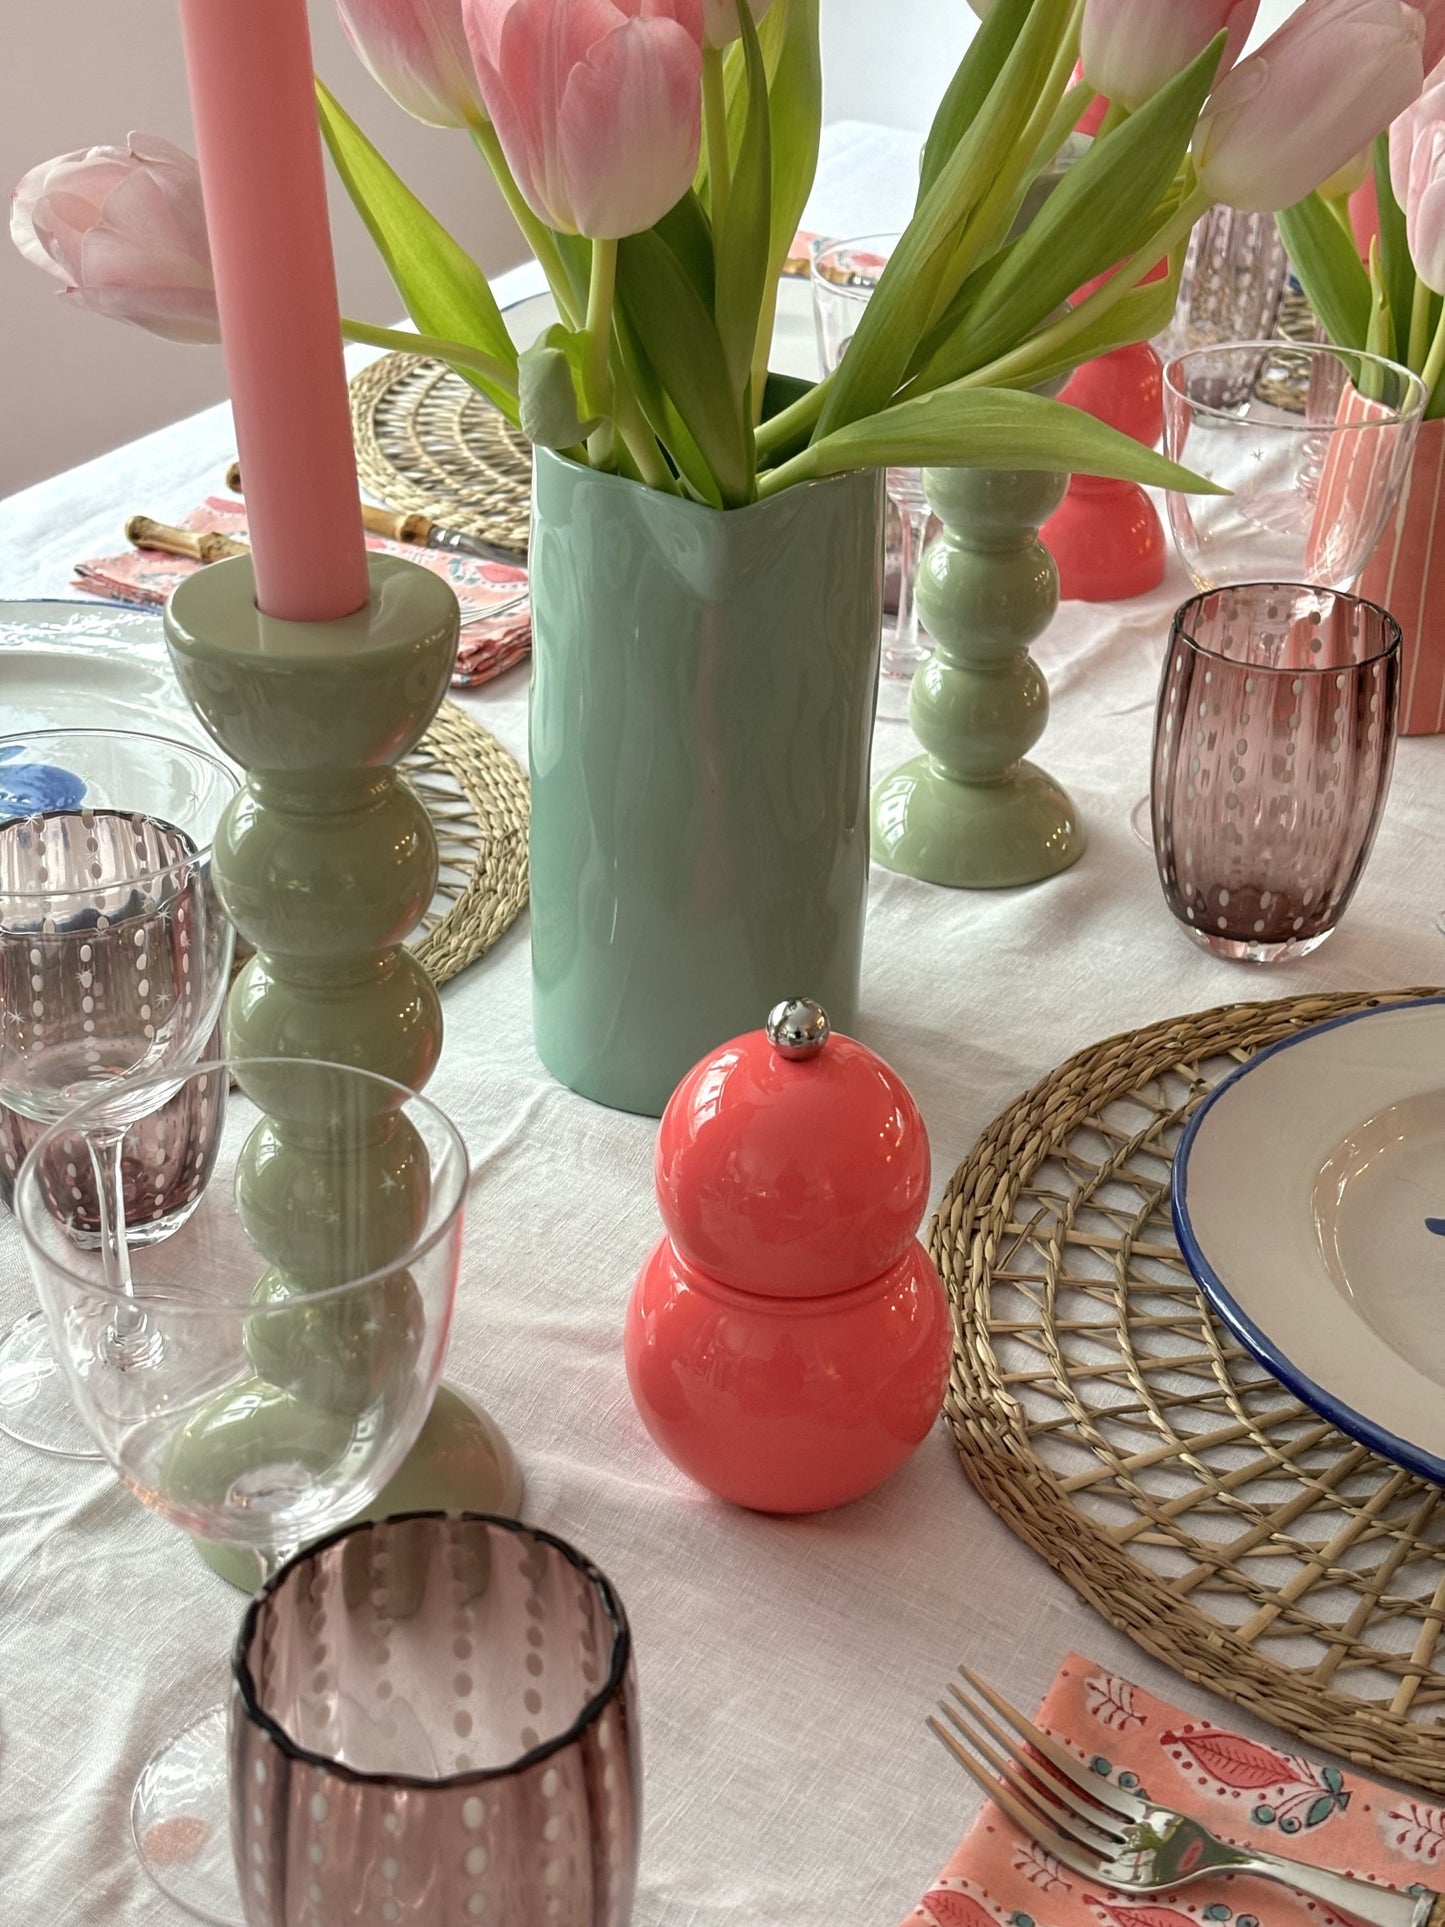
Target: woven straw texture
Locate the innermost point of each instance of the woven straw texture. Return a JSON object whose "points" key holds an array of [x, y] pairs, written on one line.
{"points": [[478, 800], [428, 442], [1176, 1485]]}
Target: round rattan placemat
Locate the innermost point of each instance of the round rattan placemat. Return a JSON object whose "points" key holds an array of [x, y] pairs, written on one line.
{"points": [[1177, 1486], [477, 797], [427, 441]]}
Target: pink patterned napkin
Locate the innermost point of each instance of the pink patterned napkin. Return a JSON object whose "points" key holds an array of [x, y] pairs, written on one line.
{"points": [[494, 634], [1247, 1793]]}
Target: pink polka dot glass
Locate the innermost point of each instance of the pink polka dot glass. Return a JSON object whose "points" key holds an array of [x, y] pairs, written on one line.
{"points": [[433, 1719], [1274, 740]]}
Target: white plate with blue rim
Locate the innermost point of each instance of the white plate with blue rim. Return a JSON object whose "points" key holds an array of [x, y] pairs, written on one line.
{"points": [[1309, 1203], [81, 665]]}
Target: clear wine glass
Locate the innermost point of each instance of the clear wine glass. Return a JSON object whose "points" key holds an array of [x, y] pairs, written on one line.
{"points": [[1312, 443], [844, 275], [114, 960], [280, 1355]]}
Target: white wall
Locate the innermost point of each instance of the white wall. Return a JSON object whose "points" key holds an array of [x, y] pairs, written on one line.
{"points": [[76, 72]]}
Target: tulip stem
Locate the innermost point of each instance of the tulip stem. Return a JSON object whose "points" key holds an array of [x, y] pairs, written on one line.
{"points": [[1419, 326], [1114, 116], [538, 236], [715, 124], [597, 392], [795, 419], [1434, 365]]}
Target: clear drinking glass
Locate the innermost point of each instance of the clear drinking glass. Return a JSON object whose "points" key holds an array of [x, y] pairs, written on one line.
{"points": [[433, 1719], [1311, 491], [844, 275], [115, 955], [277, 1357], [1274, 740]]}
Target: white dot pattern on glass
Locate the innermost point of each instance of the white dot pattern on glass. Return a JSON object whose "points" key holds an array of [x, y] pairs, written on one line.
{"points": [[1264, 823]]}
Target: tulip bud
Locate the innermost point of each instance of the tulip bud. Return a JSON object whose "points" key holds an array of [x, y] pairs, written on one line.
{"points": [[1349, 179], [125, 228], [1318, 90], [1433, 14], [417, 50], [720, 22], [1131, 48], [598, 108], [1425, 206], [1403, 129]]}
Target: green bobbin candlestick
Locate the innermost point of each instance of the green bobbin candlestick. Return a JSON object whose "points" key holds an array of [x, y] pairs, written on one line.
{"points": [[970, 812], [325, 861]]}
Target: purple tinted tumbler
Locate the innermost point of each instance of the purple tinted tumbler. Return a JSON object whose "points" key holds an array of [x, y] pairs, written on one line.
{"points": [[433, 1718], [1273, 744]]}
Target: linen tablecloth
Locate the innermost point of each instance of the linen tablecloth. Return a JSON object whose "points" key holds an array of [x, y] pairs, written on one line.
{"points": [[786, 1665]]}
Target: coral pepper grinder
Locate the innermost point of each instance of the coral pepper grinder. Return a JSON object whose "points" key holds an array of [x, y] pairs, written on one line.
{"points": [[788, 1340]]}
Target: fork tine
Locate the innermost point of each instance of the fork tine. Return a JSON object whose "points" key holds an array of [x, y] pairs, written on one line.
{"points": [[1037, 1792], [1128, 1806], [1026, 1819], [1046, 1779]]}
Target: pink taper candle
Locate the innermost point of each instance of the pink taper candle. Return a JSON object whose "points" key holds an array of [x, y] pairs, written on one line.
{"points": [[254, 106]]}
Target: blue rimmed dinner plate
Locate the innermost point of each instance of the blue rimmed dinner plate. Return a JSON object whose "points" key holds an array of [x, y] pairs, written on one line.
{"points": [[1309, 1203]]}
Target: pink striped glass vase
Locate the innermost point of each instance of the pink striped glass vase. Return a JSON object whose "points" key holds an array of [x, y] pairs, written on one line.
{"points": [[1407, 575]]}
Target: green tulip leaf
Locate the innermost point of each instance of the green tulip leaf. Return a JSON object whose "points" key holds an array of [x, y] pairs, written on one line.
{"points": [[444, 290], [549, 387], [988, 428], [970, 86], [684, 228], [681, 344], [917, 281], [1143, 312], [662, 418], [1087, 224], [1330, 270], [744, 240]]}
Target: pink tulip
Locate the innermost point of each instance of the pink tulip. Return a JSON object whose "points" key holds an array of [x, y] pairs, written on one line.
{"points": [[1285, 119], [1132, 48], [1403, 130], [417, 50], [1425, 206], [720, 22], [126, 230], [597, 104], [1433, 14]]}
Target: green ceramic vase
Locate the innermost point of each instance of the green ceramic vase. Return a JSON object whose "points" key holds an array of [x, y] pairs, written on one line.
{"points": [[703, 686]]}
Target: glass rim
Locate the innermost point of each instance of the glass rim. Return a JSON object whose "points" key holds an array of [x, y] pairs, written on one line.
{"points": [[1392, 645], [28, 1188], [1399, 417], [200, 855], [591, 1711], [891, 235]]}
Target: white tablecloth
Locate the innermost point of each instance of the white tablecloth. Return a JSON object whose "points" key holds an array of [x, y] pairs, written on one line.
{"points": [[786, 1666]]}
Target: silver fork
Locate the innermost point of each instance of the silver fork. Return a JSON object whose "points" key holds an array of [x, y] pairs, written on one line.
{"points": [[1120, 1839]]}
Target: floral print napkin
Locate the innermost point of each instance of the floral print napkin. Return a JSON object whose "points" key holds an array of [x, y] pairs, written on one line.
{"points": [[1248, 1793]]}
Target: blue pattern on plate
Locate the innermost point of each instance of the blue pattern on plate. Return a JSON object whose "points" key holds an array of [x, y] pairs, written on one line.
{"points": [[26, 788]]}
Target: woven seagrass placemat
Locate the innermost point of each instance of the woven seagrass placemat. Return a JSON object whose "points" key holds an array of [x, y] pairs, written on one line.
{"points": [[427, 441], [1120, 1431], [477, 797]]}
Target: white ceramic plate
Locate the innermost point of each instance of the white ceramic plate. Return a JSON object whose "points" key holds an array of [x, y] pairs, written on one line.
{"points": [[795, 343], [88, 665], [1309, 1202]]}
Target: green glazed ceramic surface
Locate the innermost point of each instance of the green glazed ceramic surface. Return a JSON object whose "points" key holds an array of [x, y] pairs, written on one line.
{"points": [[703, 688], [970, 811], [325, 861]]}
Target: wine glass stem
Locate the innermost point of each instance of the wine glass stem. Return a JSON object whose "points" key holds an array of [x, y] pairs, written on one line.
{"points": [[106, 1147], [915, 527]]}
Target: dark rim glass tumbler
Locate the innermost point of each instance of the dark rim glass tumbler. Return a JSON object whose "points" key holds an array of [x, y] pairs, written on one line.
{"points": [[1274, 740], [433, 1718]]}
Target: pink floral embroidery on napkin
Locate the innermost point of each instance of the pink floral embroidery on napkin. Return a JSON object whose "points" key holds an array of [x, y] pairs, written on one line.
{"points": [[496, 629], [1245, 1791]]}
